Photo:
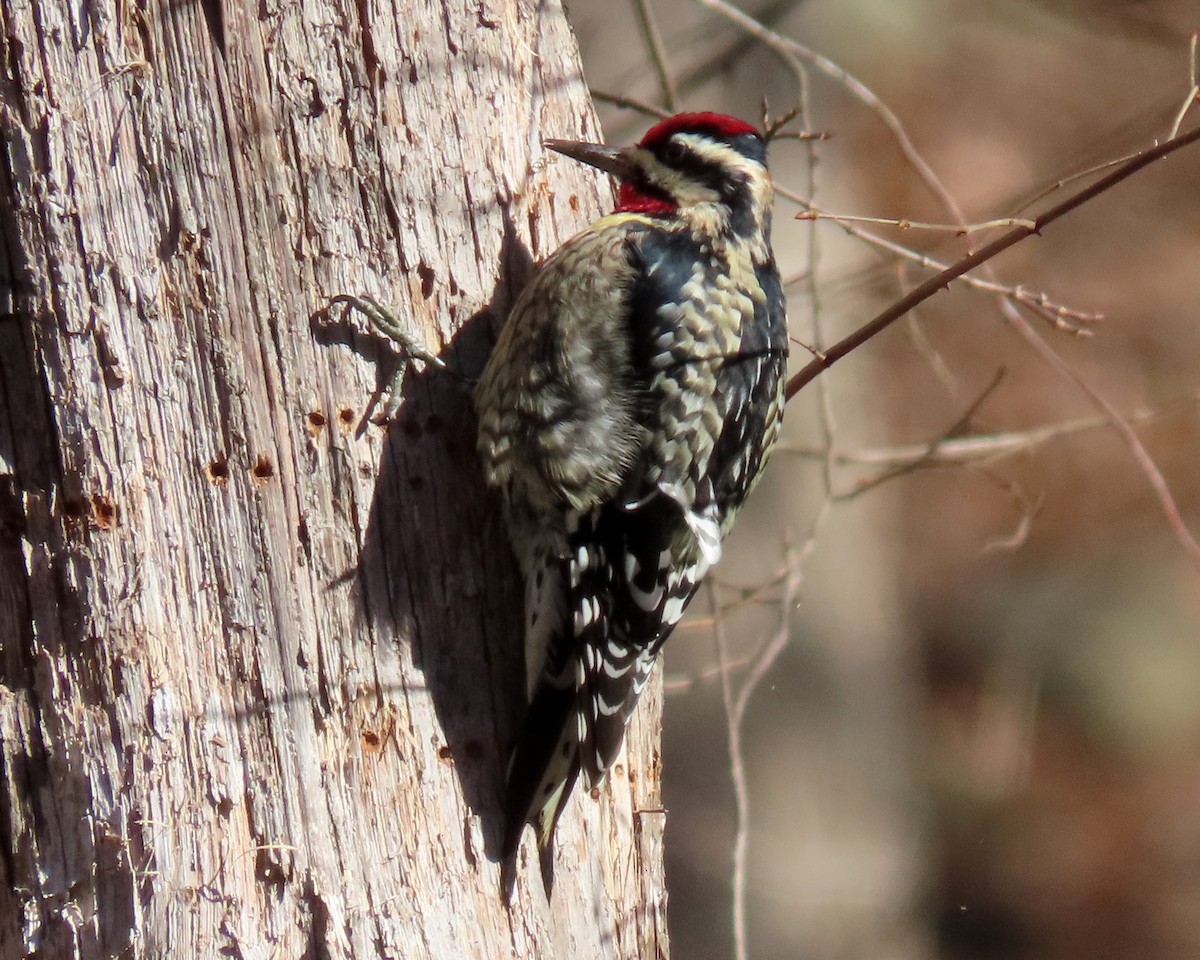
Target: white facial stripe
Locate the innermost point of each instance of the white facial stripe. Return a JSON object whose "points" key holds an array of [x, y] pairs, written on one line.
{"points": [[674, 183], [755, 174], [688, 192], [716, 152]]}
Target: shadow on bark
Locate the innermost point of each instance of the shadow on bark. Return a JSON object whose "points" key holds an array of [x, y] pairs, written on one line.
{"points": [[436, 562]]}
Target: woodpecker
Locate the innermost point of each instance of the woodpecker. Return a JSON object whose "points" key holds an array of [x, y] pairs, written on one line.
{"points": [[625, 414]]}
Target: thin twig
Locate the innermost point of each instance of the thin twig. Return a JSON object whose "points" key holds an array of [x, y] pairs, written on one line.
{"points": [[773, 129], [931, 449], [939, 282], [960, 450], [737, 774], [1061, 182], [1029, 510], [1141, 455], [817, 335], [735, 714], [790, 50], [746, 597], [658, 53], [921, 293], [674, 684], [630, 103], [924, 346], [1193, 95], [1032, 298], [959, 230]]}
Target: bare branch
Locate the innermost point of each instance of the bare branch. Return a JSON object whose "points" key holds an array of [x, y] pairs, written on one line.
{"points": [[791, 51], [675, 684], [921, 293], [735, 714], [1061, 182], [631, 103], [737, 773], [959, 230], [1193, 95], [931, 286], [1140, 454], [658, 53], [1030, 508], [1062, 316], [773, 129], [978, 447], [956, 428]]}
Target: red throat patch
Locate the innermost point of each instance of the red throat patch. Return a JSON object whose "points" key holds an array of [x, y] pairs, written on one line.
{"points": [[634, 199]]}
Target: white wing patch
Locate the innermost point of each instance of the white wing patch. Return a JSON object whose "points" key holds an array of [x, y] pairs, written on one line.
{"points": [[587, 612], [648, 600], [705, 525]]}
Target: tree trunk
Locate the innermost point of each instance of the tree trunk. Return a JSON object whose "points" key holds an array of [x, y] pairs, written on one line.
{"points": [[261, 656]]}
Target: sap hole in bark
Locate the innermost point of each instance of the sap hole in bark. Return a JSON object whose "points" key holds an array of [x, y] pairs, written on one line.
{"points": [[218, 469], [346, 418], [425, 272], [263, 470], [104, 512], [316, 422], [268, 868]]}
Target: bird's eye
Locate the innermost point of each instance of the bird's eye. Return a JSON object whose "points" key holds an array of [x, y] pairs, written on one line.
{"points": [[674, 152]]}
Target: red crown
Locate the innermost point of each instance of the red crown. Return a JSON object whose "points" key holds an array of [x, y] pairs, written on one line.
{"points": [[718, 123]]}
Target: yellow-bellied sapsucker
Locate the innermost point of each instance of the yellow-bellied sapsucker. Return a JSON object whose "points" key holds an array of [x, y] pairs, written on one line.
{"points": [[625, 415]]}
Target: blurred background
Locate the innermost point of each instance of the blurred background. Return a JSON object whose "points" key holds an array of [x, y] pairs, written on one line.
{"points": [[981, 738]]}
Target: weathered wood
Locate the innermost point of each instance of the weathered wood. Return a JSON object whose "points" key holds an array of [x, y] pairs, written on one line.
{"points": [[261, 657]]}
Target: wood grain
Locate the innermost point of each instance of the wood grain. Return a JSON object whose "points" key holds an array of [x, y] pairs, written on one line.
{"points": [[260, 655]]}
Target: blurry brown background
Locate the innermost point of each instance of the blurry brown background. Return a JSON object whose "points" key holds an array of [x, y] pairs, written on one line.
{"points": [[969, 749]]}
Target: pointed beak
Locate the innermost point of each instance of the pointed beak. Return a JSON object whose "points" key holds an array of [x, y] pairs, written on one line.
{"points": [[614, 160]]}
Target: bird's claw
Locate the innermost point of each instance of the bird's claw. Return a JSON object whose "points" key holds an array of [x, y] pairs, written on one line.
{"points": [[384, 321]]}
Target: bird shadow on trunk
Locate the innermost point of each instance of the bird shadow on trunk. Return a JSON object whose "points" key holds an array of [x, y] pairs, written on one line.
{"points": [[435, 563]]}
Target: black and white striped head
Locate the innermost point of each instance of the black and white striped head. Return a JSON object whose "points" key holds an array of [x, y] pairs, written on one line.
{"points": [[686, 164]]}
